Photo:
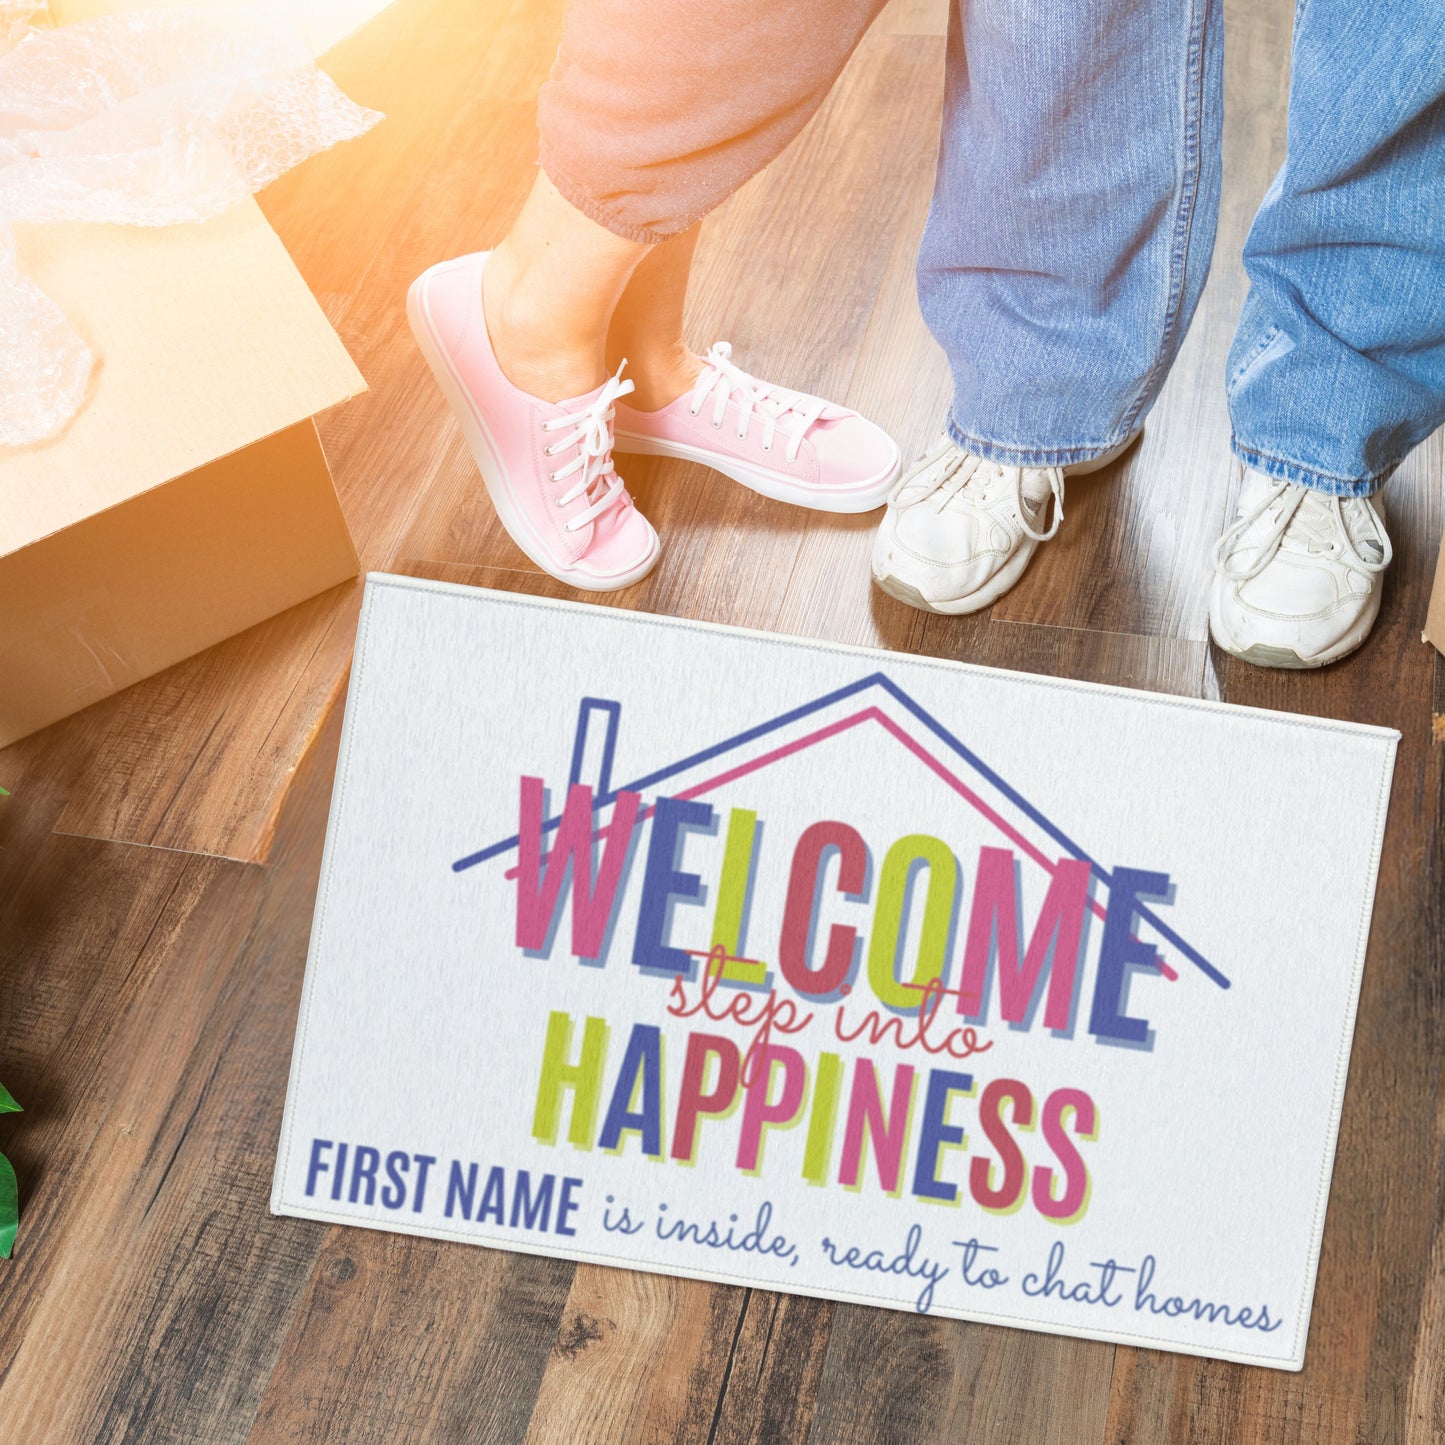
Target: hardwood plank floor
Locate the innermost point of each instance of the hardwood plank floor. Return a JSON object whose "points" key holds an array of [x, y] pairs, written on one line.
{"points": [[159, 854]]}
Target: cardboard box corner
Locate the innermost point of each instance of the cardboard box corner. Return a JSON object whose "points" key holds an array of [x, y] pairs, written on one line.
{"points": [[190, 498], [1435, 615]]}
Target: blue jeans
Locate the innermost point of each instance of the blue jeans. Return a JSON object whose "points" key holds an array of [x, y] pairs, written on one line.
{"points": [[1074, 216]]}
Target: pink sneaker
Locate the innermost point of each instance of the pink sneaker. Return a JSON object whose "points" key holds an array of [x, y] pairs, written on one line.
{"points": [[788, 446], [547, 467]]}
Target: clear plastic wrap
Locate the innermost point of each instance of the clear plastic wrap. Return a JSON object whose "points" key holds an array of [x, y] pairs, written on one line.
{"points": [[144, 118]]}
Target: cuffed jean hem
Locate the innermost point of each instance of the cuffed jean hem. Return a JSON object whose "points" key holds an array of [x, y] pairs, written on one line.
{"points": [[1008, 455], [577, 196], [1288, 471]]}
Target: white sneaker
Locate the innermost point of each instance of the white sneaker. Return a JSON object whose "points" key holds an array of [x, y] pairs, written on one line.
{"points": [[960, 530], [1297, 578]]}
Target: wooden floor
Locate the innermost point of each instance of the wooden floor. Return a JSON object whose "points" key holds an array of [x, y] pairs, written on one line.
{"points": [[159, 854]]}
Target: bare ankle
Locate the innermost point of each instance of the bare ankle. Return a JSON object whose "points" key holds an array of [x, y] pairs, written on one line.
{"points": [[534, 347], [660, 376]]}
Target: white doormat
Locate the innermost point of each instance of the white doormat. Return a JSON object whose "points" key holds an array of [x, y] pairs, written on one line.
{"points": [[942, 988]]}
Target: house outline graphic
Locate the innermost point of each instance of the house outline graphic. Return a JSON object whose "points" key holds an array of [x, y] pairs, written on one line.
{"points": [[604, 794]]}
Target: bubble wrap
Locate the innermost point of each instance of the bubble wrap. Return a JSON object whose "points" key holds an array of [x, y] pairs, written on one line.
{"points": [[146, 118]]}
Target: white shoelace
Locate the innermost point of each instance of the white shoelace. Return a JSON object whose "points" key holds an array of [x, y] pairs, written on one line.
{"points": [[1310, 522], [973, 480], [598, 480], [722, 380]]}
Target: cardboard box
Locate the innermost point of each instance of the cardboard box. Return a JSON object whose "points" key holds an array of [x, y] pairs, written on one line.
{"points": [[1435, 616], [189, 498]]}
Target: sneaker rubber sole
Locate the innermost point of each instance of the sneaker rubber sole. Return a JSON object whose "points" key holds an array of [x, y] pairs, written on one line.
{"points": [[864, 497], [1263, 654], [986, 595]]}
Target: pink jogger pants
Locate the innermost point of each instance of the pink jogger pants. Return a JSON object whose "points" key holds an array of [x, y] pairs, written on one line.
{"points": [[658, 110]]}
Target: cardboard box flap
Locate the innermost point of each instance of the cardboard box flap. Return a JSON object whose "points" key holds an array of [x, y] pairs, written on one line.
{"points": [[1435, 617], [206, 339]]}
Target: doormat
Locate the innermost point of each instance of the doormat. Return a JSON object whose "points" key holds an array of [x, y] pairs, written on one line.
{"points": [[840, 972]]}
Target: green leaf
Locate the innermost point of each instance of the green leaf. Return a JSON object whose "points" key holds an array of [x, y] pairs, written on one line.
{"points": [[4, 793], [9, 1207], [7, 1102]]}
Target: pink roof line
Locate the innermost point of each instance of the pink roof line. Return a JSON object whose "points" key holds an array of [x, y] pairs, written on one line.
{"points": [[874, 714]]}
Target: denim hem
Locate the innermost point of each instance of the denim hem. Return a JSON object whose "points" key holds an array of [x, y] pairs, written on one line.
{"points": [[1289, 471], [1017, 456], [1190, 171]]}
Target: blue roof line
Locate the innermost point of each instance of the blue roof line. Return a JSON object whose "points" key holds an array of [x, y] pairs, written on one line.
{"points": [[603, 799], [1055, 832]]}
